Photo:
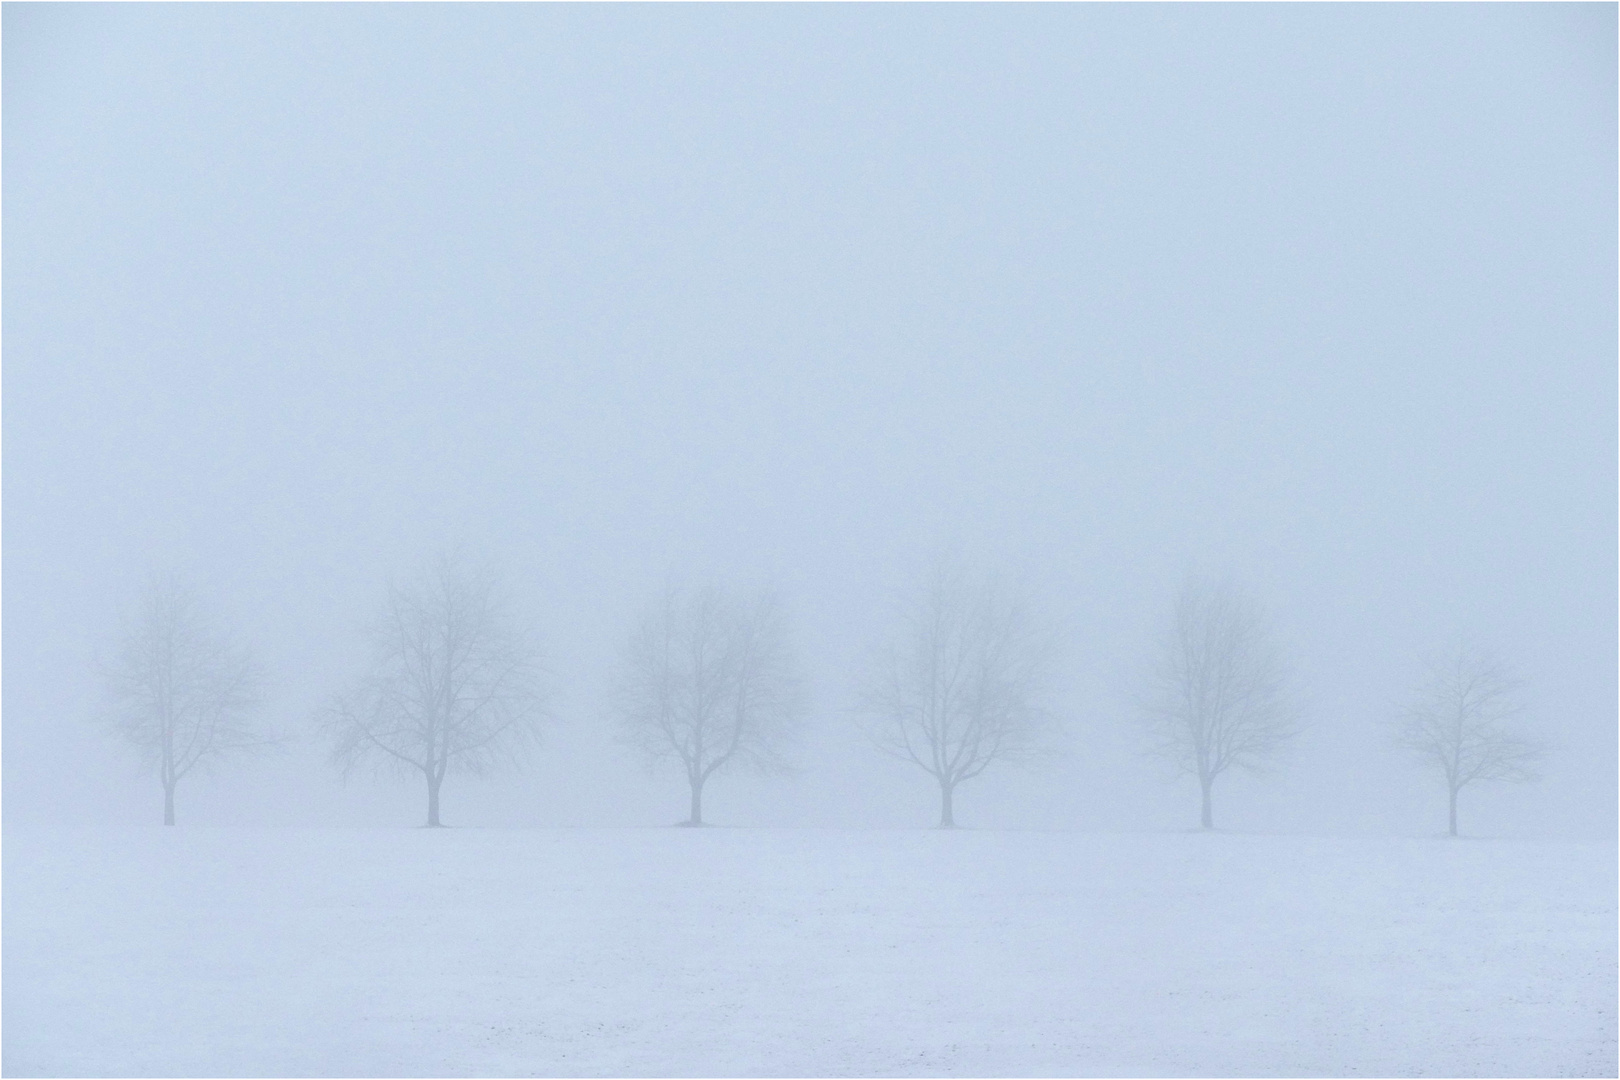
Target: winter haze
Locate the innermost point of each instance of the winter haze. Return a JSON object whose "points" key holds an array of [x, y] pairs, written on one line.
{"points": [[1315, 300]]}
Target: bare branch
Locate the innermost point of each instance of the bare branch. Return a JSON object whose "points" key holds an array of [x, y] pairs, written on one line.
{"points": [[708, 679], [182, 691], [958, 689], [1217, 696], [1459, 723], [451, 686]]}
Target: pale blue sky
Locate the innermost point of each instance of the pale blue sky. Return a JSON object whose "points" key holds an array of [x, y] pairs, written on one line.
{"points": [[1319, 297]]}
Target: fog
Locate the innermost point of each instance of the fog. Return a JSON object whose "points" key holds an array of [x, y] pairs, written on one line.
{"points": [[1317, 300]]}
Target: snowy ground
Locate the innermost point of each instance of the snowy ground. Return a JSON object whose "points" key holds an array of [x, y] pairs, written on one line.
{"points": [[733, 951]]}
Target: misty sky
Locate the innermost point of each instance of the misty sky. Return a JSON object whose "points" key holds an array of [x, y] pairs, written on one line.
{"points": [[1320, 298]]}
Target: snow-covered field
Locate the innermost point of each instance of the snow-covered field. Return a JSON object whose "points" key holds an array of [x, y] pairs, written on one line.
{"points": [[770, 952]]}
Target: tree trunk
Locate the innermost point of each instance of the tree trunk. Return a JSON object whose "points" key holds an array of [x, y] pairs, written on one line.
{"points": [[433, 802], [168, 804], [1453, 811], [1208, 818], [946, 821], [697, 803]]}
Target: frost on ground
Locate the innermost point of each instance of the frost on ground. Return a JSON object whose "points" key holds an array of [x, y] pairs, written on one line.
{"points": [[731, 951]]}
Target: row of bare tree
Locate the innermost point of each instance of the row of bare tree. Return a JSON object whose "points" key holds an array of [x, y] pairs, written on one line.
{"points": [[707, 678]]}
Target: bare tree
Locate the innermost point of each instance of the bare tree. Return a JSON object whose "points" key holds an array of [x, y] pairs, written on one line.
{"points": [[708, 680], [183, 692], [1458, 724], [958, 688], [451, 686], [1217, 696]]}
